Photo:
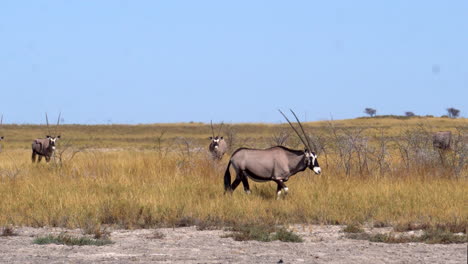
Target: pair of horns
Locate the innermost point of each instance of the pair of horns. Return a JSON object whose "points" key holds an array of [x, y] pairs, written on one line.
{"points": [[212, 129], [305, 142], [56, 127]]}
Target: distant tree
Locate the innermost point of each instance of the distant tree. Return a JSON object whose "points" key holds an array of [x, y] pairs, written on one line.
{"points": [[409, 114], [452, 112], [370, 111]]}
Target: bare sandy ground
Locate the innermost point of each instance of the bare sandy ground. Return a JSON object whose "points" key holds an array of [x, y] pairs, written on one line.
{"points": [[323, 244]]}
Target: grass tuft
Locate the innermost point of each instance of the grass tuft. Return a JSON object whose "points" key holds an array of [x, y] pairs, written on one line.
{"points": [[262, 233], [64, 239], [353, 228], [8, 231], [156, 235], [433, 236]]}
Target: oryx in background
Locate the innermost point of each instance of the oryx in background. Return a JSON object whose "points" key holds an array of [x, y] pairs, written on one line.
{"points": [[273, 164], [217, 146], [45, 147], [442, 140], [1, 124]]}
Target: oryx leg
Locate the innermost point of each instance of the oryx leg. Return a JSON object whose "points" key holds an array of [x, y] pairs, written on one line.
{"points": [[281, 185], [33, 157], [47, 158], [235, 183], [39, 158], [245, 182]]}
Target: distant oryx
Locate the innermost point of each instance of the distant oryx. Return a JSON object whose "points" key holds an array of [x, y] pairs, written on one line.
{"points": [[45, 146], [1, 124], [217, 146], [442, 140], [274, 164]]}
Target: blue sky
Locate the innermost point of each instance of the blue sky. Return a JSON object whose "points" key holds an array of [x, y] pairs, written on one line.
{"points": [[236, 61]]}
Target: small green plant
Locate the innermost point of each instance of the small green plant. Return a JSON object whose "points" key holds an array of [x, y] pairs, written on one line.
{"points": [[439, 236], [432, 236], [286, 236], [64, 239], [262, 233]]}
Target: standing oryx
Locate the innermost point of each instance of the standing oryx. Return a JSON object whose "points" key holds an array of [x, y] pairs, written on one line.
{"points": [[217, 146], [1, 124], [442, 140], [274, 164], [45, 146]]}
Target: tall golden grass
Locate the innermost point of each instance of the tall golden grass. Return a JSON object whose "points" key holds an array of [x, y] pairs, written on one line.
{"points": [[124, 177]]}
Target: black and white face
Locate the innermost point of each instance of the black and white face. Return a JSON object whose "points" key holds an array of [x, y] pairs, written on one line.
{"points": [[312, 161], [53, 140], [215, 141]]}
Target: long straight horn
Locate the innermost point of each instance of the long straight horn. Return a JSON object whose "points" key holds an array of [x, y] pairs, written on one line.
{"points": [[58, 122], [303, 131], [47, 122], [212, 130], [295, 130], [219, 130], [1, 121]]}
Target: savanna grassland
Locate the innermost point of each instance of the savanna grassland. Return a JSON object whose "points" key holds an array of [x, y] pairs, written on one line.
{"points": [[376, 171]]}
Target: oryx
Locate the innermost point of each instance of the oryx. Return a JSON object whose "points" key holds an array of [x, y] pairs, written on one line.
{"points": [[273, 164], [442, 140], [1, 124], [45, 147], [217, 146]]}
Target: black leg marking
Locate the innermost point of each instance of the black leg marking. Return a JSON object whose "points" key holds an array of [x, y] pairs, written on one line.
{"points": [[281, 185], [235, 184], [245, 182]]}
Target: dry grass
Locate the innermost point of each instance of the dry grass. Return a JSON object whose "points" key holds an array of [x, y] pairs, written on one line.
{"points": [[126, 178]]}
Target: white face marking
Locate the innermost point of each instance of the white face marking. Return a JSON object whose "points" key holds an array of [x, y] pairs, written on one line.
{"points": [[53, 147], [317, 170]]}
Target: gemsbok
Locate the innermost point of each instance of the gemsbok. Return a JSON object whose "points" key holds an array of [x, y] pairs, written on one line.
{"points": [[442, 140], [276, 164], [45, 147], [218, 145], [1, 124]]}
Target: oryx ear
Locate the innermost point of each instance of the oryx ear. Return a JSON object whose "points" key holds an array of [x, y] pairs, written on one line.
{"points": [[58, 136], [47, 136], [211, 137], [221, 137]]}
